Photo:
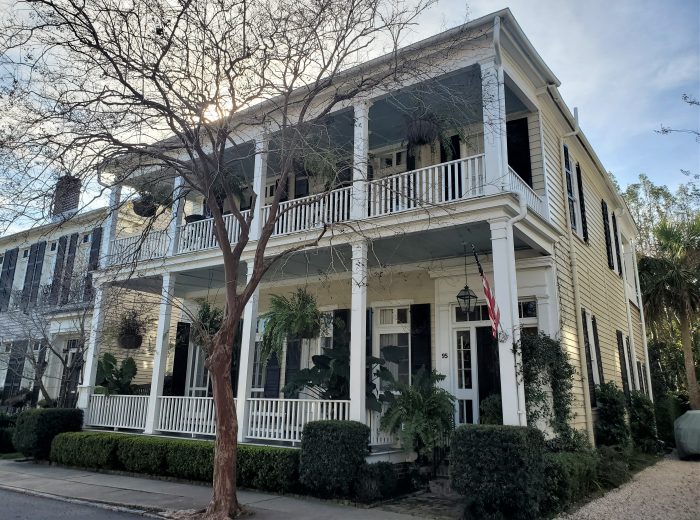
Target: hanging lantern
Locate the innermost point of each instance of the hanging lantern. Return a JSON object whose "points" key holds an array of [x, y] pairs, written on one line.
{"points": [[466, 297]]}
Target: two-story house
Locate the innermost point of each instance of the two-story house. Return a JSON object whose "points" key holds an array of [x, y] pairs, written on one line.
{"points": [[484, 153]]}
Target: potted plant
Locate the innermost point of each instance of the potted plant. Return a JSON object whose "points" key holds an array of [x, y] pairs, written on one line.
{"points": [[421, 130], [150, 197], [130, 330], [113, 379]]}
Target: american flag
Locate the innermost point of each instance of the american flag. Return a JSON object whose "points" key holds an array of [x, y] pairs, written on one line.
{"points": [[494, 312]]}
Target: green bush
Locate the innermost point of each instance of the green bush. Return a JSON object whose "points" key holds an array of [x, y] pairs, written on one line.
{"points": [[332, 456], [643, 423], [36, 429], [499, 469], [569, 478], [7, 420], [261, 467], [569, 440], [86, 449], [491, 410], [377, 481], [611, 428], [668, 407], [6, 445], [613, 468]]}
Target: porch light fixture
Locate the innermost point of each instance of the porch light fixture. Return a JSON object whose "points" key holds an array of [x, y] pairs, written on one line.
{"points": [[466, 297]]}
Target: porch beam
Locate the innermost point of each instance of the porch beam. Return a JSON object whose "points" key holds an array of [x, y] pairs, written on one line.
{"points": [[358, 332], [493, 101], [160, 359], [506, 292], [245, 373], [358, 204]]}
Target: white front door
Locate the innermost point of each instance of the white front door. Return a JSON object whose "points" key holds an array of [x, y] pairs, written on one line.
{"points": [[466, 376]]}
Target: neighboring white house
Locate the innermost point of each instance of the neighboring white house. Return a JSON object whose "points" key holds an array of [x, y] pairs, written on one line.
{"points": [[515, 177]]}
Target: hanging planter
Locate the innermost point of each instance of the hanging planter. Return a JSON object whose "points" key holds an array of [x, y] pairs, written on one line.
{"points": [[422, 130], [145, 206], [130, 330]]}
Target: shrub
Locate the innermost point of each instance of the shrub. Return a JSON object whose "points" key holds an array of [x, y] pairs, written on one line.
{"points": [[570, 440], [7, 420], [668, 407], [262, 467], [36, 429], [377, 481], [569, 478], [491, 410], [611, 428], [95, 450], [613, 469], [6, 445], [332, 455], [499, 469], [643, 423]]}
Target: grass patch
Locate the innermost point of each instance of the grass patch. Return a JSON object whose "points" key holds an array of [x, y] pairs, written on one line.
{"points": [[11, 456]]}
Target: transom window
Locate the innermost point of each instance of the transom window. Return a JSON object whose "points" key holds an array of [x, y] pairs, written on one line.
{"points": [[526, 309]]}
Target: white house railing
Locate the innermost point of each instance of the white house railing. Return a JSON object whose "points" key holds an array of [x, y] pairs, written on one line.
{"points": [[425, 187], [532, 199], [138, 248], [377, 436], [198, 236], [284, 419], [194, 415], [117, 411]]}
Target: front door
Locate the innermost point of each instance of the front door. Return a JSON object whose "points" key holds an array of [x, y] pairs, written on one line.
{"points": [[466, 376]]}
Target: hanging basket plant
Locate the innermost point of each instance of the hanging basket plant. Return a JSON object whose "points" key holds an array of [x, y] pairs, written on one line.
{"points": [[145, 206], [130, 330], [206, 323], [422, 130], [294, 317]]}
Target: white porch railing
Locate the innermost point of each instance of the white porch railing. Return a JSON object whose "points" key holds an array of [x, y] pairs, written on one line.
{"points": [[446, 182], [284, 419], [194, 415], [138, 248], [117, 411], [377, 436], [198, 236], [311, 212], [532, 199]]}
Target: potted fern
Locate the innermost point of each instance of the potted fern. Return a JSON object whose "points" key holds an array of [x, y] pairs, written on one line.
{"points": [[294, 317], [206, 323]]}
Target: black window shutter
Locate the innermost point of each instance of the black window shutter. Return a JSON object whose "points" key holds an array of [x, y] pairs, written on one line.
{"points": [[29, 274], [596, 343], [68, 269], [7, 276], [582, 203], [182, 344], [36, 275], [623, 365], [93, 261], [368, 331], [58, 271], [606, 231], [617, 245], [272, 378], [589, 361], [630, 359], [292, 364], [420, 338], [341, 328]]}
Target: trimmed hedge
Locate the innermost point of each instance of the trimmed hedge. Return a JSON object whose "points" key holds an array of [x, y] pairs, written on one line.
{"points": [[499, 469], [611, 427], [6, 445], [332, 455], [569, 478], [36, 429], [377, 481], [261, 467]]}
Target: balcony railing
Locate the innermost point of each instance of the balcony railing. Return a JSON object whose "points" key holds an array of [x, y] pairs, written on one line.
{"points": [[427, 187]]}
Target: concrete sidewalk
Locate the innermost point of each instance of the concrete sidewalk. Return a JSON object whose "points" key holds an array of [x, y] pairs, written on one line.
{"points": [[158, 496]]}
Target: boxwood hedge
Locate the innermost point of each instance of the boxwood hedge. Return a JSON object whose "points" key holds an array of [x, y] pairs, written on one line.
{"points": [[36, 429]]}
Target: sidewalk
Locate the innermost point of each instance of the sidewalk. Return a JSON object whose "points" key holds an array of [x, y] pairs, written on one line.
{"points": [[146, 495]]}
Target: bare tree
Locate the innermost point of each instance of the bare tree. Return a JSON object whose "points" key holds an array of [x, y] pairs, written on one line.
{"points": [[170, 88]]}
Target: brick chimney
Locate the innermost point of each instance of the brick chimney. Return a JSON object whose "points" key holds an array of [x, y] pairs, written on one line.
{"points": [[66, 198]]}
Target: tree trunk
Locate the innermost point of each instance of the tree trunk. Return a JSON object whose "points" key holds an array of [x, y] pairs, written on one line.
{"points": [[693, 390], [224, 503]]}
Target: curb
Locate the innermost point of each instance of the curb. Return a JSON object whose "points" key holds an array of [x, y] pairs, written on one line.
{"points": [[119, 508]]}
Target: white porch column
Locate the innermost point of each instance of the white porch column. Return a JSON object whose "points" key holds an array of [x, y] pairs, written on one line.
{"points": [[176, 218], [358, 332], [259, 174], [358, 204], [245, 372], [160, 357], [494, 116], [96, 326], [506, 292]]}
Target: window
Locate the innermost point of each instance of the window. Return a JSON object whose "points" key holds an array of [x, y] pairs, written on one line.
{"points": [[594, 363], [616, 242], [612, 242], [393, 334], [86, 238], [630, 362], [53, 246], [574, 190], [258, 384], [25, 253], [623, 363]]}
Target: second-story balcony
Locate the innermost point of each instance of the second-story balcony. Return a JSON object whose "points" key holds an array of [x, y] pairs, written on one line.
{"points": [[424, 188]]}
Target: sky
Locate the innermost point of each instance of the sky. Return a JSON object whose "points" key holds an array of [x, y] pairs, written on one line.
{"points": [[624, 63]]}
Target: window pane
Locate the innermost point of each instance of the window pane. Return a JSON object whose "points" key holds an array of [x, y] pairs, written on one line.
{"points": [[464, 360], [460, 315], [386, 316], [528, 309], [401, 316], [394, 349]]}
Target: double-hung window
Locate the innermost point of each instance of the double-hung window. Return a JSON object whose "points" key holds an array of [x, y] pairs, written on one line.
{"points": [[394, 337], [612, 240], [594, 362], [574, 192]]}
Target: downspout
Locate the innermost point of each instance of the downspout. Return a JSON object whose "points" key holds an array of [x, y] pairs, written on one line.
{"points": [[633, 353], [573, 262]]}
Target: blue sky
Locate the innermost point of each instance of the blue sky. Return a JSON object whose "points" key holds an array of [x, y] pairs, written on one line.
{"points": [[624, 63]]}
